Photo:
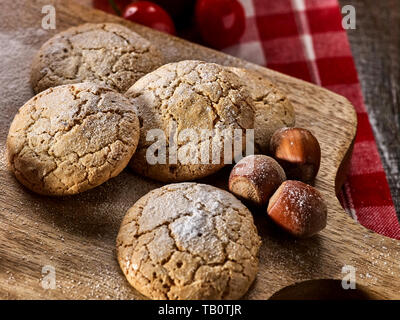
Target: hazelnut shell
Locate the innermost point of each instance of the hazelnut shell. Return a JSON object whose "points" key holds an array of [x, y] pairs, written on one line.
{"points": [[298, 152], [298, 208], [255, 178]]}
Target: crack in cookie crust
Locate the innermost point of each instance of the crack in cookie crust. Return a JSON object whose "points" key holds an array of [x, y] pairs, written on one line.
{"points": [[189, 241], [108, 54], [72, 138], [195, 95]]}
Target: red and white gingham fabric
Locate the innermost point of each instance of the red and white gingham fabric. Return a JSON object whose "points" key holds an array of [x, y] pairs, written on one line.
{"points": [[305, 39]]}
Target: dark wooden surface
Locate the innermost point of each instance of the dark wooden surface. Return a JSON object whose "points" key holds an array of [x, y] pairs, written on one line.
{"points": [[376, 48], [76, 235]]}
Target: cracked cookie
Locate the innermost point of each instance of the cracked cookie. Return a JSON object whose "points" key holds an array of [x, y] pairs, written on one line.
{"points": [[189, 241], [72, 138], [272, 108], [205, 98], [108, 54]]}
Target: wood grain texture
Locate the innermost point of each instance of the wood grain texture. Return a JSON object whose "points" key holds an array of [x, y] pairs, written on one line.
{"points": [[375, 44], [76, 235]]}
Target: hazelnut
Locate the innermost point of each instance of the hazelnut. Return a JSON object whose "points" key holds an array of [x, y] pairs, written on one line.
{"points": [[255, 178], [298, 152], [298, 208]]}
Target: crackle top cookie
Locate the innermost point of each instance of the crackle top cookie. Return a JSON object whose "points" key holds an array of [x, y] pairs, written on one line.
{"points": [[191, 103], [189, 241], [72, 138], [108, 54], [273, 110]]}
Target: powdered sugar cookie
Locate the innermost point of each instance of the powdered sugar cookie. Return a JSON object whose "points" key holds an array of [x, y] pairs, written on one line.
{"points": [[108, 54], [72, 138], [196, 101], [189, 241], [273, 110]]}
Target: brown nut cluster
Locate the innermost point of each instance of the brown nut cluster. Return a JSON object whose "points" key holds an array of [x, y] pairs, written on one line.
{"points": [[298, 208], [298, 152], [255, 178], [293, 205]]}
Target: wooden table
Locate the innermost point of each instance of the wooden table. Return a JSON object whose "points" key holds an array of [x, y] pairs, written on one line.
{"points": [[376, 48], [76, 235]]}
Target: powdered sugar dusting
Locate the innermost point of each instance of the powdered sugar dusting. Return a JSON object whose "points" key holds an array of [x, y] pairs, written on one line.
{"points": [[187, 226], [304, 207], [259, 167]]}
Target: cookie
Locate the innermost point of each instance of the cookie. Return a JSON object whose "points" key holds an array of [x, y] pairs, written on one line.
{"points": [[107, 54], [189, 241], [273, 110], [195, 97], [72, 138]]}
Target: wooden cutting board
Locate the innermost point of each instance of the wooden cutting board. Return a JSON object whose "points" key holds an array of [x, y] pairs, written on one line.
{"points": [[76, 235]]}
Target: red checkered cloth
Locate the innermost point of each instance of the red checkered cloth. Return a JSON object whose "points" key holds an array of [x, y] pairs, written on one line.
{"points": [[316, 49]]}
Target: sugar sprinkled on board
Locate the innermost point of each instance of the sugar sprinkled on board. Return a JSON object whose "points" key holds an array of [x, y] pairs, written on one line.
{"points": [[18, 52]]}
